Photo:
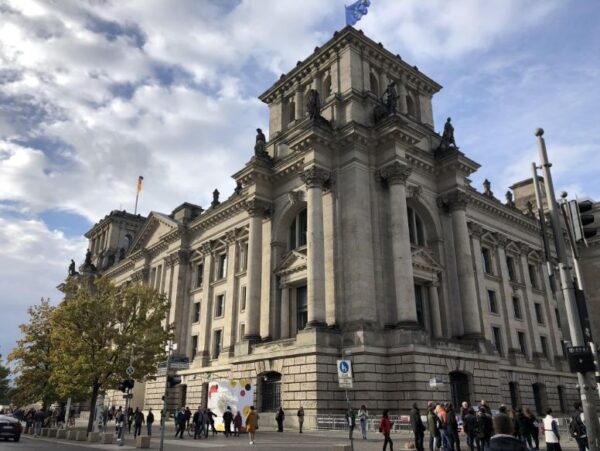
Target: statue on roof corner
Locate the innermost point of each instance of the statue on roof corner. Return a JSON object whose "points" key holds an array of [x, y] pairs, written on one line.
{"points": [[390, 97], [261, 143], [72, 271], [448, 137], [314, 104]]}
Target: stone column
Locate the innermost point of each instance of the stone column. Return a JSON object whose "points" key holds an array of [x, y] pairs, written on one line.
{"points": [[402, 108], [266, 300], [457, 203], [298, 101], [256, 210], [329, 234], [285, 311], [206, 305], [535, 344], [231, 290], [315, 177], [436, 310], [396, 175], [507, 292]]}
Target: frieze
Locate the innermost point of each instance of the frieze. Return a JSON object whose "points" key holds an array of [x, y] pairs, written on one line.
{"points": [[140, 275], [394, 173]]}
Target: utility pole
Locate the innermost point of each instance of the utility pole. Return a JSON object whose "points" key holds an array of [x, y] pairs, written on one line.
{"points": [[566, 282], [163, 415]]}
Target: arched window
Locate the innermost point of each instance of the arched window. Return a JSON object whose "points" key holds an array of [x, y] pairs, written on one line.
{"points": [[298, 230], [326, 87], [562, 399], [410, 107], [459, 388], [126, 242], [374, 84], [540, 397], [270, 391], [415, 228]]}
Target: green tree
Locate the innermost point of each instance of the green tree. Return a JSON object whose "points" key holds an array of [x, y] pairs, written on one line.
{"points": [[4, 388], [32, 358], [100, 330]]}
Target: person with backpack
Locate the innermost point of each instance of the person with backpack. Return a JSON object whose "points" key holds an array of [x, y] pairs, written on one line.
{"points": [[485, 429], [432, 427], [227, 420], [452, 429], [385, 427], [198, 422], [577, 428], [470, 428], [417, 426], [443, 427]]}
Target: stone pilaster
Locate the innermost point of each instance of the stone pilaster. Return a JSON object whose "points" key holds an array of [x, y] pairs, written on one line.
{"points": [[206, 305], [396, 175], [315, 178], [402, 107], [436, 310], [231, 293], [285, 312], [298, 103], [329, 224], [266, 300]]}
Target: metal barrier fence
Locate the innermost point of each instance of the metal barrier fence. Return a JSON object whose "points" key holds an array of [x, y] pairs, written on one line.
{"points": [[337, 422]]}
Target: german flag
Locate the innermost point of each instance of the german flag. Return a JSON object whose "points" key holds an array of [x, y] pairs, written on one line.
{"points": [[139, 185]]}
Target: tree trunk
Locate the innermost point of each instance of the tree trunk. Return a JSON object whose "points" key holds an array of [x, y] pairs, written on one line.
{"points": [[95, 390]]}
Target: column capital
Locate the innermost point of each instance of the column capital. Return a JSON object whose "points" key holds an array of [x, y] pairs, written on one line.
{"points": [[177, 257], [315, 177], [394, 173], [258, 207], [207, 247], [434, 283], [475, 230], [456, 200]]}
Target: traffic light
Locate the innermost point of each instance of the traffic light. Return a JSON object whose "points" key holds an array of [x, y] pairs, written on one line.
{"points": [[172, 381], [580, 218], [126, 384]]}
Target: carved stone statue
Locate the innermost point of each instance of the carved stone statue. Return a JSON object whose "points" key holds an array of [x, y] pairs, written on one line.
{"points": [[314, 104], [530, 211], [390, 98], [88, 259], [215, 200], [261, 142], [238, 188], [448, 136], [72, 271], [509, 199], [121, 253], [487, 188]]}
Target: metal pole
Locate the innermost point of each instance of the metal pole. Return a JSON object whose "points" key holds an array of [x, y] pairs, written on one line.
{"points": [[542, 219], [163, 414], [587, 401], [596, 364]]}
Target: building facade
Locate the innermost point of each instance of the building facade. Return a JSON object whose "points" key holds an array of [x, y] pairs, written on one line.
{"points": [[353, 231]]}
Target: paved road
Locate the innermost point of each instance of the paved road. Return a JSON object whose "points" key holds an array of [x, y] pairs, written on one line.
{"points": [[271, 441]]}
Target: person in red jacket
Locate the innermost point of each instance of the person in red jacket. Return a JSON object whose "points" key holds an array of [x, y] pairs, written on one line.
{"points": [[385, 426]]}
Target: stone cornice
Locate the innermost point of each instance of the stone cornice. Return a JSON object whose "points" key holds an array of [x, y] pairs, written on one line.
{"points": [[288, 166], [456, 161], [491, 205], [224, 211], [256, 169], [120, 268], [397, 129], [394, 173]]}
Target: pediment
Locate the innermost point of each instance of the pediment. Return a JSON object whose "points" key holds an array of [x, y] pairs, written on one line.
{"points": [[534, 255], [156, 226], [512, 247], [294, 261], [489, 238], [423, 259]]}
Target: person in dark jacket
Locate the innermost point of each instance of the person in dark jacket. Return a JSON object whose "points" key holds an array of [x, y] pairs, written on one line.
{"points": [[180, 421], [129, 419], [211, 421], [470, 429], [533, 427], [280, 418], [149, 421], [418, 427], [350, 421], [452, 428], [198, 421], [577, 428], [504, 440], [485, 429], [227, 419], [432, 427], [138, 420]]}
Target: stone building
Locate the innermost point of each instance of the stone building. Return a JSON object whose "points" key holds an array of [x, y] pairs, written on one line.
{"points": [[354, 229]]}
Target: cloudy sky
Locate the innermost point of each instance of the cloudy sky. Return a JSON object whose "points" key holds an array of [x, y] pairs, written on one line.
{"points": [[93, 94]]}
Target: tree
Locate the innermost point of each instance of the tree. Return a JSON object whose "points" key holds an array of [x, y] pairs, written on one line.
{"points": [[32, 358], [100, 330], [4, 388]]}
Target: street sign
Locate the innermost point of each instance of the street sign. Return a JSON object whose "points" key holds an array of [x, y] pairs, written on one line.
{"points": [[581, 359], [435, 382], [177, 363], [129, 371], [344, 368]]}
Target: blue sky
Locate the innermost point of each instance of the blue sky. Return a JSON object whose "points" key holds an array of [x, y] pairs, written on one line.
{"points": [[93, 94]]}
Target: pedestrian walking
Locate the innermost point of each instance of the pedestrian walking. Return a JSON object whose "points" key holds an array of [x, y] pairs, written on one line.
{"points": [[452, 428], [363, 418], [149, 421], [120, 425], [252, 424], [504, 439], [129, 419], [280, 418], [138, 420], [484, 429], [38, 421], [443, 427], [577, 427], [433, 427], [350, 421], [180, 423], [237, 424], [551, 433], [188, 416], [470, 429], [385, 427], [227, 420], [533, 427], [300, 415], [198, 421], [211, 421], [417, 426]]}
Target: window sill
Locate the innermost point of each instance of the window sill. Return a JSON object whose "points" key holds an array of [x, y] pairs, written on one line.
{"points": [[219, 317], [196, 289], [493, 277], [218, 282], [241, 272]]}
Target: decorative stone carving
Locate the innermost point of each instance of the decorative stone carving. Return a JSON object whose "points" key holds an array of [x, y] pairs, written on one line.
{"points": [[487, 188], [390, 97], [176, 258], [215, 200], [414, 191], [231, 236], [454, 200], [502, 240], [258, 207], [448, 141], [207, 247], [395, 172], [140, 275], [315, 177], [475, 230], [238, 188], [295, 197], [261, 143], [313, 105], [530, 211], [72, 271]]}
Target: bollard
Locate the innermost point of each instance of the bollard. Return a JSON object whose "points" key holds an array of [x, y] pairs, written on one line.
{"points": [[52, 432], [93, 437], [61, 433], [106, 438], [81, 436], [142, 441], [72, 434]]}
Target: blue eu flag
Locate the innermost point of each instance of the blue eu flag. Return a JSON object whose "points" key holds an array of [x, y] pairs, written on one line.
{"points": [[356, 10]]}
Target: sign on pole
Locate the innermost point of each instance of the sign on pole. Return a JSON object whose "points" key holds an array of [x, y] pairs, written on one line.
{"points": [[344, 368]]}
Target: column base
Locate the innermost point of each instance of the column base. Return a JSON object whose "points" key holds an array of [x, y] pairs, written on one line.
{"points": [[315, 324], [412, 325], [252, 338]]}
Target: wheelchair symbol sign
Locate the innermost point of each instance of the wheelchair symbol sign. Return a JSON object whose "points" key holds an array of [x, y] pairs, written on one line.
{"points": [[344, 373]]}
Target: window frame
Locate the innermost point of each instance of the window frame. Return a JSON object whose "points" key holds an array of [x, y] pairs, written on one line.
{"points": [[217, 347], [197, 312], [539, 312], [221, 266], [544, 346], [194, 346], [522, 340], [497, 336], [301, 312], [199, 275], [488, 266], [220, 305], [517, 307], [533, 276], [512, 273], [298, 230], [492, 301]]}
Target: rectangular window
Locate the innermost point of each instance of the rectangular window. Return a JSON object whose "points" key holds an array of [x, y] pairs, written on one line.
{"points": [[510, 263], [492, 301], [522, 343], [243, 256], [557, 317], [218, 343], [532, 276], [497, 339], [199, 275], [196, 312], [539, 314], [219, 305], [301, 307], [243, 299], [222, 266], [242, 332], [153, 277], [419, 302], [544, 344], [194, 346], [486, 256], [158, 277], [517, 307]]}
